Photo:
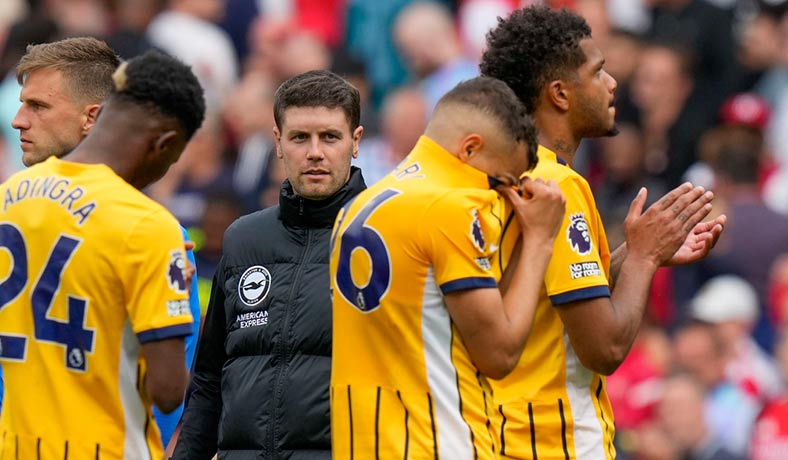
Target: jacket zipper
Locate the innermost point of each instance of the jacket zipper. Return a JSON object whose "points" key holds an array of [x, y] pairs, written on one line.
{"points": [[283, 350]]}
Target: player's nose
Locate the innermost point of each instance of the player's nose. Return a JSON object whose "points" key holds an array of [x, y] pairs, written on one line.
{"points": [[20, 121]]}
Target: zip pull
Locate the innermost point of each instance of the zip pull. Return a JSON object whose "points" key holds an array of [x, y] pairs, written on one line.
{"points": [[300, 206]]}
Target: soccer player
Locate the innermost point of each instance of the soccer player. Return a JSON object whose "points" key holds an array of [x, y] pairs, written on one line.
{"points": [[419, 321], [262, 371], [63, 86], [554, 404], [93, 298]]}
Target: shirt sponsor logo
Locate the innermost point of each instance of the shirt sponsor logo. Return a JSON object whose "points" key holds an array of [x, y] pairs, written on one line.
{"points": [[176, 272], [252, 318], [254, 285], [584, 269], [577, 234]]}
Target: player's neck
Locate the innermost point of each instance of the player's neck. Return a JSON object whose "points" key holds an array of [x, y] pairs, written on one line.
{"points": [[563, 145], [556, 134], [102, 147]]}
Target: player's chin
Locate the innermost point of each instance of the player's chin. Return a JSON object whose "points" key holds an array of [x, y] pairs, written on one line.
{"points": [[612, 131], [315, 191], [29, 158]]}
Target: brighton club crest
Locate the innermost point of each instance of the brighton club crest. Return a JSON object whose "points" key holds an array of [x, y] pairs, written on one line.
{"points": [[254, 285], [577, 234]]}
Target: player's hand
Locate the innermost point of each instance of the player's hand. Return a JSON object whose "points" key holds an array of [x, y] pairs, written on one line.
{"points": [[541, 208], [699, 241], [658, 234], [190, 270]]}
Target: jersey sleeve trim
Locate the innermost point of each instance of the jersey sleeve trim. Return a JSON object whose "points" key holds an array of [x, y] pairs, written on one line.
{"points": [[178, 330], [580, 294], [476, 282]]}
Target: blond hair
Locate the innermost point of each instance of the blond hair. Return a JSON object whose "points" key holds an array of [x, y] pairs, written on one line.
{"points": [[86, 63]]}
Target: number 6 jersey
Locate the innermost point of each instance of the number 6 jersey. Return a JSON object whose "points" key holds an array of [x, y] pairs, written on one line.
{"points": [[403, 385], [90, 268]]}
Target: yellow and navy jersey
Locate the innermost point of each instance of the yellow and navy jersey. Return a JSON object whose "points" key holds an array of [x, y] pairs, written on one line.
{"points": [[402, 382], [90, 268], [551, 407]]}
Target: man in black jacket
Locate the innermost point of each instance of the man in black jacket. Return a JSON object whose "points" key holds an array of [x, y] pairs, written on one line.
{"points": [[263, 363]]}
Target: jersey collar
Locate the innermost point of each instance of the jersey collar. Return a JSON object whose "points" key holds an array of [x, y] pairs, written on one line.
{"points": [[429, 151], [546, 154]]}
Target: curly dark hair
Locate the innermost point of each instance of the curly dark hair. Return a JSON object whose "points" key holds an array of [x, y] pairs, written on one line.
{"points": [[532, 47], [161, 81], [318, 88], [494, 98]]}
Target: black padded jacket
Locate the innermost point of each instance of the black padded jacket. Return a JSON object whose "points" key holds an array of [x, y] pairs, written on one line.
{"points": [[263, 365]]}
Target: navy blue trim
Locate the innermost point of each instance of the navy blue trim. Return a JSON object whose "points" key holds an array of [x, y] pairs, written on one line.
{"points": [[468, 283], [560, 160], [12, 347], [580, 294], [179, 330]]}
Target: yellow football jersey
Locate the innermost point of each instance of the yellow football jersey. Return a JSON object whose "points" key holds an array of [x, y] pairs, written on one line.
{"points": [[551, 407], [402, 383], [90, 268]]}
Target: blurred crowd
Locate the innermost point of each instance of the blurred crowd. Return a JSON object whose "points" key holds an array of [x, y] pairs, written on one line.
{"points": [[702, 96]]}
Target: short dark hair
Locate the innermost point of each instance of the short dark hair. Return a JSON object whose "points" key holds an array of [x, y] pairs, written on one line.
{"points": [[739, 163], [318, 88], [532, 47], [494, 98], [161, 81], [86, 63]]}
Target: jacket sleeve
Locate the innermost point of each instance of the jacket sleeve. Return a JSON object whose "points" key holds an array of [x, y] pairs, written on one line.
{"points": [[199, 433]]}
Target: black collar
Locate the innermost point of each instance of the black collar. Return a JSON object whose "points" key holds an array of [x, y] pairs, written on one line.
{"points": [[301, 212]]}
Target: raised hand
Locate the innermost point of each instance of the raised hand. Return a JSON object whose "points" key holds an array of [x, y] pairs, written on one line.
{"points": [[659, 233], [190, 270], [699, 241]]}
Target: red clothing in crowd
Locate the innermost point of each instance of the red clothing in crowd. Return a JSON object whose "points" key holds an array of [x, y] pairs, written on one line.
{"points": [[769, 440]]}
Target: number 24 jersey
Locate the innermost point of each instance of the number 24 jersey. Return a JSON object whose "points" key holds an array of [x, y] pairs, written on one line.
{"points": [[90, 268]]}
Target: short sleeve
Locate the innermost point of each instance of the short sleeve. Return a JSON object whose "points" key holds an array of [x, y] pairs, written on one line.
{"points": [[576, 270], [462, 233], [154, 279]]}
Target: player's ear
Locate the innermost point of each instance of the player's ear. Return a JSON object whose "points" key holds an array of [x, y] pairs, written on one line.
{"points": [[357, 133], [278, 138], [90, 114], [165, 143], [557, 93], [470, 146]]}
